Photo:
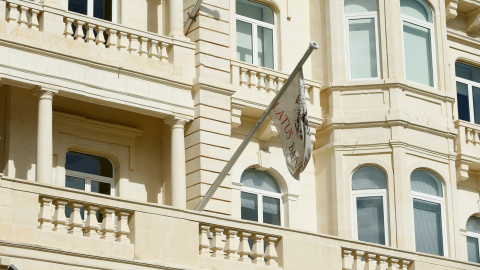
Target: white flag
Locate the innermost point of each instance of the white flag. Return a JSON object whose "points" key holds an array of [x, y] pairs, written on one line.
{"points": [[290, 118]]}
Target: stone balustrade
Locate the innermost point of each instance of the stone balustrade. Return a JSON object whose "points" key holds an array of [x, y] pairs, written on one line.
{"points": [[363, 260], [264, 79], [24, 14], [238, 245], [113, 226]]}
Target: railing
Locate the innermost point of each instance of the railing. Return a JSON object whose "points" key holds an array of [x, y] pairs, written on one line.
{"points": [[362, 260], [469, 133], [236, 246], [52, 217], [263, 79], [24, 14]]}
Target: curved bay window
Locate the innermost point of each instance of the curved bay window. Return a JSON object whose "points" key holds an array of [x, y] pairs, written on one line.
{"points": [[255, 33], [89, 173], [362, 39], [369, 191], [261, 197], [418, 52], [428, 212], [473, 239]]}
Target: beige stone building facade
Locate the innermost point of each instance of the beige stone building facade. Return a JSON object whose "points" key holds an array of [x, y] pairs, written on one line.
{"points": [[116, 117]]}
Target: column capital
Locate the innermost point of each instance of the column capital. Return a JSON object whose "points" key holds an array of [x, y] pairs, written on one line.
{"points": [[44, 92], [176, 121]]}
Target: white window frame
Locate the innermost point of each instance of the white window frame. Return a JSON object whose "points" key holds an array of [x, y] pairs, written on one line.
{"points": [[429, 26], [357, 16], [260, 194], [432, 199], [476, 236], [366, 193], [90, 9], [88, 180], [255, 24], [470, 85]]}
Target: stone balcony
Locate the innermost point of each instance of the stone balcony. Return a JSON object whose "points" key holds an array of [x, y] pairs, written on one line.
{"points": [[138, 235], [467, 148]]}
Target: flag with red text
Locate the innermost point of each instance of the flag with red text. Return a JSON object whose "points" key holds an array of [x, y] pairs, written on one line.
{"points": [[290, 118]]}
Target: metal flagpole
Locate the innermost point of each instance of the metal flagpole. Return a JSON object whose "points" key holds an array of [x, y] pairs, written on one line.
{"points": [[191, 15], [312, 46]]}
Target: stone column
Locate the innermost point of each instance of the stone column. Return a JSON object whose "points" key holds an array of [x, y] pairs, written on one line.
{"points": [[178, 170], [175, 15], [44, 137]]}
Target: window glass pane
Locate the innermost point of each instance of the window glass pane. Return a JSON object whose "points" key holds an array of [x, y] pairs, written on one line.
{"points": [[102, 9], [418, 55], [472, 249], [467, 72], [76, 183], [476, 104], [426, 182], [363, 54], [101, 187], [473, 225], [415, 9], [249, 206], [462, 102], [244, 42], [88, 164], [255, 11], [259, 180], [265, 47], [370, 220], [355, 6], [271, 210], [428, 227], [79, 6], [369, 177]]}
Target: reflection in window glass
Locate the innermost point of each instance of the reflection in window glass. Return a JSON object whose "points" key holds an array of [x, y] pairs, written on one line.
{"points": [[463, 102], [363, 53], [85, 163], [79, 6], [249, 206], [418, 54], [428, 227], [271, 210], [472, 249], [244, 42], [265, 45], [102, 9], [101, 187], [370, 220]]}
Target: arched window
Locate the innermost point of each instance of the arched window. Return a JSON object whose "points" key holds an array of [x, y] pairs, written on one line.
{"points": [[261, 197], [362, 39], [255, 33], [473, 239], [428, 212], [102, 9], [89, 173], [468, 92], [369, 190], [417, 42]]}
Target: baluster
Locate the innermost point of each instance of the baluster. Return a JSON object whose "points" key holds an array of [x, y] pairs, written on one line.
{"points": [[393, 264], [163, 52], [123, 231], [216, 247], [467, 131], [257, 249], [475, 137], [153, 50], [370, 262], [243, 76], [381, 263], [75, 222], [122, 41], [280, 82], [79, 34], [261, 81], [404, 264], [347, 260], [68, 31], [142, 49], [271, 252], [12, 15], [357, 260], [231, 245], [22, 17], [34, 19], [107, 229], [45, 216], [100, 35], [204, 248], [133, 45], [243, 247], [59, 218], [90, 38], [253, 78], [270, 83], [91, 224], [112, 38]]}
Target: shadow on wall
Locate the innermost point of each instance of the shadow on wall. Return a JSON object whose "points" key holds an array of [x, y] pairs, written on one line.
{"points": [[152, 15]]}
